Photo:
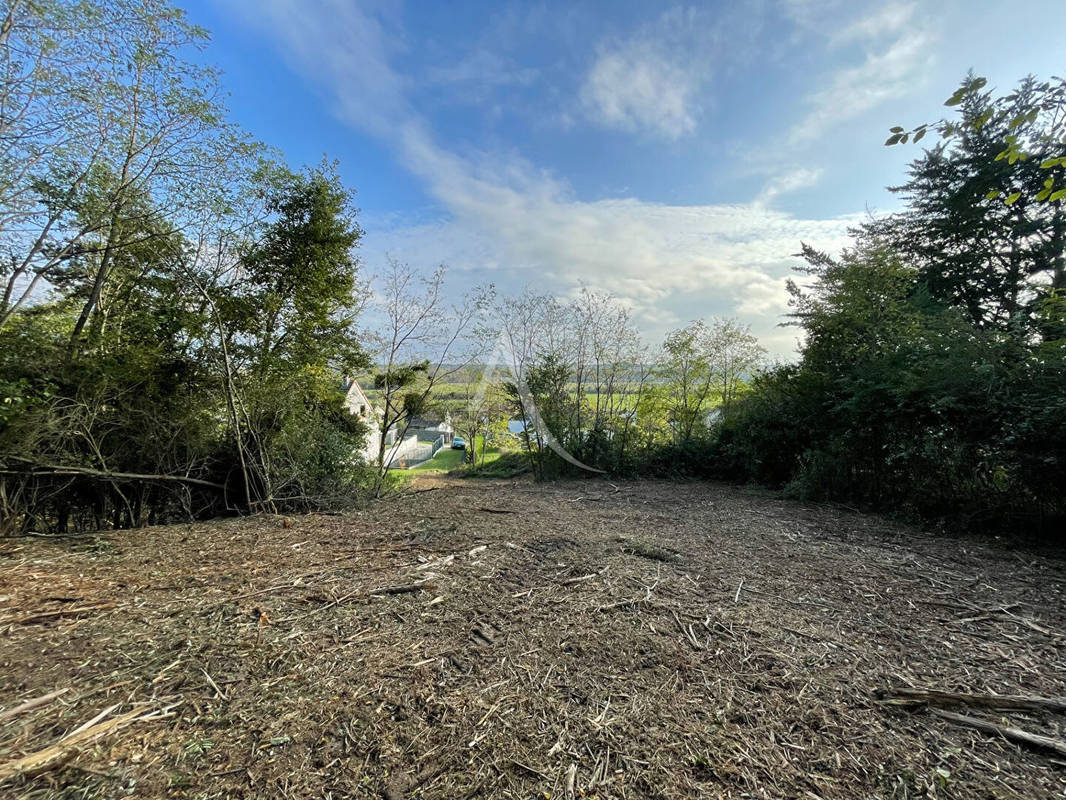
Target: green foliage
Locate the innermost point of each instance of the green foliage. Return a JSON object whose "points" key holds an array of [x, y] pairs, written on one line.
{"points": [[296, 300], [901, 403], [187, 357], [974, 227], [1028, 126]]}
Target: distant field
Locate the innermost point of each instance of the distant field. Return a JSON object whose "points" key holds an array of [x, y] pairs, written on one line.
{"points": [[458, 391]]}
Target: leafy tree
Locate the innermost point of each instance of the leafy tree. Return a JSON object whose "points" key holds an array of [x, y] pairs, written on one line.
{"points": [[106, 120], [685, 368], [734, 354], [298, 303], [991, 258], [177, 310], [1035, 115], [901, 403]]}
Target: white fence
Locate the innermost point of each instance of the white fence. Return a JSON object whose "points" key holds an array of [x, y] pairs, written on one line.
{"points": [[418, 453]]}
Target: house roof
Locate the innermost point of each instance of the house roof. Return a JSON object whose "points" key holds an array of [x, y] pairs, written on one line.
{"points": [[354, 396]]}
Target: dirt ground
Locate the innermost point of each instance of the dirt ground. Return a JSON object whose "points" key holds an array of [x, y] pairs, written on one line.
{"points": [[512, 640]]}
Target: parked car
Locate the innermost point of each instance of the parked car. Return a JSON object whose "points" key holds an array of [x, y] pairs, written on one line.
{"points": [[458, 443]]}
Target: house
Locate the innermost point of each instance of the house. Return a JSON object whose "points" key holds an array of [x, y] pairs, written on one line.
{"points": [[397, 449], [429, 429], [356, 401]]}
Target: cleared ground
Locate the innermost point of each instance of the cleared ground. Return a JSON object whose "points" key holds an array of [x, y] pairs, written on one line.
{"points": [[508, 640]]}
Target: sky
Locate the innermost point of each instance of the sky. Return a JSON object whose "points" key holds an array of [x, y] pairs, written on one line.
{"points": [[673, 155]]}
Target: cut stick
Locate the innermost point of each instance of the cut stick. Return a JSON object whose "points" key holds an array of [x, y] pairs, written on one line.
{"points": [[569, 787], [1028, 702], [622, 604], [59, 752], [406, 588], [30, 619], [1033, 740], [86, 725], [29, 705], [581, 579]]}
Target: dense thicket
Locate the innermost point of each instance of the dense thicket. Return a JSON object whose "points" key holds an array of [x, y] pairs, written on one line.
{"points": [[932, 380], [177, 308]]}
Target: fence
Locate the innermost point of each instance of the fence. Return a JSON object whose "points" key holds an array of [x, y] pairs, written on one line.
{"points": [[412, 457]]}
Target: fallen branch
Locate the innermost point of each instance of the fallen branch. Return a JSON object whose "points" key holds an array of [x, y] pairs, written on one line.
{"points": [[580, 579], [63, 470], [930, 696], [1033, 740], [58, 753], [31, 704], [406, 588], [496, 510], [622, 604], [30, 619]]}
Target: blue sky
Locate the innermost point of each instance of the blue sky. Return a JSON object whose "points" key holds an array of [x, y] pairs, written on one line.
{"points": [[674, 155]]}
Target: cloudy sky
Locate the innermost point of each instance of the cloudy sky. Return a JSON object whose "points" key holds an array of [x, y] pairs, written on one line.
{"points": [[674, 155]]}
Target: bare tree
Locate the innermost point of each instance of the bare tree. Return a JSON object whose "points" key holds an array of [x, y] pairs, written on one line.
{"points": [[575, 376], [424, 340], [109, 135]]}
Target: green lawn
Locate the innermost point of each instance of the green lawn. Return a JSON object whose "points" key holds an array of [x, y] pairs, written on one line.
{"points": [[448, 459], [445, 460]]}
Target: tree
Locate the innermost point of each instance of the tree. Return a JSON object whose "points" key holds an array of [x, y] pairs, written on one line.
{"points": [[684, 367], [479, 412], [1035, 116], [176, 310], [901, 403], [290, 324], [992, 258], [299, 295], [734, 354], [423, 341], [574, 375], [105, 121]]}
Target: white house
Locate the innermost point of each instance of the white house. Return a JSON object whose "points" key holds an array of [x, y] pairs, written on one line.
{"points": [[356, 401]]}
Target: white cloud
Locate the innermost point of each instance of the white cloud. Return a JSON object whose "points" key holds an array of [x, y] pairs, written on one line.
{"points": [[478, 73], [887, 21], [888, 71], [790, 181], [661, 259], [651, 81], [635, 88], [510, 222]]}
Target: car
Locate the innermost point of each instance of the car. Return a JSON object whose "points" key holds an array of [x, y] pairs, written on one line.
{"points": [[458, 443]]}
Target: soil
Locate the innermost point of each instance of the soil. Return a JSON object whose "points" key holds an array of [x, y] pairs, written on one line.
{"points": [[514, 640]]}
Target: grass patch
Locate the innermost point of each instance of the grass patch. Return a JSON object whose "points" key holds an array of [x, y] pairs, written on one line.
{"points": [[505, 464], [445, 460], [448, 460]]}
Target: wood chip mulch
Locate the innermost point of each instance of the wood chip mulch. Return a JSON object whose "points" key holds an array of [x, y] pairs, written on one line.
{"points": [[602, 640]]}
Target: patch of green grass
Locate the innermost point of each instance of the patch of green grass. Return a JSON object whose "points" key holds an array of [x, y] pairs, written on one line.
{"points": [[501, 464], [446, 459]]}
